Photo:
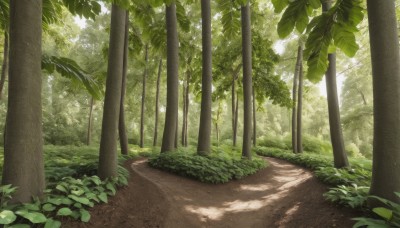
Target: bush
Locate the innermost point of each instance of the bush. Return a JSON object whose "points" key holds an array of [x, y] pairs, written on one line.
{"points": [[214, 168], [352, 196], [316, 145], [274, 142]]}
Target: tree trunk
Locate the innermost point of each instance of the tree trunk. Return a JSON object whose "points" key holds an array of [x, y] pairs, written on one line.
{"points": [[157, 103], [4, 66], [294, 108], [23, 148], [233, 103], [254, 121], [247, 80], [183, 114], [204, 140], [146, 59], [188, 77], [108, 143], [176, 133], [299, 112], [123, 138], [339, 153], [90, 123], [236, 120], [386, 93], [171, 114]]}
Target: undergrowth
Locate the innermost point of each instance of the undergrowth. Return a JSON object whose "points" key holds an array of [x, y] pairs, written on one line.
{"points": [[72, 188], [218, 167], [349, 187]]}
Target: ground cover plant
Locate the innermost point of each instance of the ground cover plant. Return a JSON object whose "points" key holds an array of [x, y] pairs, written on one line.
{"points": [[72, 188], [220, 166], [349, 187]]}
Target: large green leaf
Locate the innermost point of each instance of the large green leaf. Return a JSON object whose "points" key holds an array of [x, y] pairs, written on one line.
{"points": [[7, 217], [33, 217]]}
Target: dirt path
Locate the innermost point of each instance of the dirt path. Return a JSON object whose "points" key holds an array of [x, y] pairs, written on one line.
{"points": [[282, 195]]}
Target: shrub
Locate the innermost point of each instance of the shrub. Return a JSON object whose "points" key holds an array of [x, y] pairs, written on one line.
{"points": [[275, 142], [214, 168], [316, 145], [352, 196]]}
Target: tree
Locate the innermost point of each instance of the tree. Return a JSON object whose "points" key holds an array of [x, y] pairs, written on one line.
{"points": [[247, 80], [386, 92], [146, 60], [123, 139], [299, 112], [204, 140], [171, 114], [108, 146], [294, 107], [155, 137], [339, 153], [23, 149]]}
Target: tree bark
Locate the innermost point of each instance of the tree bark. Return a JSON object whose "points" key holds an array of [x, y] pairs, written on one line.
{"points": [[176, 133], [23, 148], [188, 77], [4, 66], [233, 103], [171, 114], [90, 122], [108, 143], [236, 120], [157, 103], [294, 108], [339, 152], [254, 121], [123, 138], [204, 140], [183, 114], [247, 80], [386, 83], [299, 113], [146, 59]]}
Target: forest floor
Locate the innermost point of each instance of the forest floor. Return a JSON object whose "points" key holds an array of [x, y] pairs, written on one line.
{"points": [[282, 195]]}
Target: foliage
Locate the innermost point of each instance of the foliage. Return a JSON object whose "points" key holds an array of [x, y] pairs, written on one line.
{"points": [[348, 195], [215, 168], [72, 189], [388, 216], [335, 176]]}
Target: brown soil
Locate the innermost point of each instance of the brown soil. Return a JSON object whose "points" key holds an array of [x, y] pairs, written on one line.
{"points": [[282, 195]]}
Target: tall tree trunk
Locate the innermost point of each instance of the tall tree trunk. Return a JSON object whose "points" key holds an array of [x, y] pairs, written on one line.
{"points": [[233, 103], [4, 66], [299, 112], [171, 114], [188, 77], [339, 153], [294, 108], [176, 133], [90, 122], [23, 148], [247, 80], [183, 114], [254, 121], [123, 138], [386, 91], [157, 103], [204, 140], [146, 59], [108, 143], [236, 120]]}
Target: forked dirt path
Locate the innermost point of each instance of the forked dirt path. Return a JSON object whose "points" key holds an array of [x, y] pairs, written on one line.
{"points": [[282, 195]]}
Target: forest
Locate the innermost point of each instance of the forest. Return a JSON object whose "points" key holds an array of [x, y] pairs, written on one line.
{"points": [[185, 113]]}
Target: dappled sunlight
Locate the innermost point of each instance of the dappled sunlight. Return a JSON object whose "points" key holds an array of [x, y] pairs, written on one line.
{"points": [[255, 187]]}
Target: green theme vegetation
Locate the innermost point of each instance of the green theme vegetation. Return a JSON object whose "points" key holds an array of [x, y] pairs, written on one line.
{"points": [[87, 85]]}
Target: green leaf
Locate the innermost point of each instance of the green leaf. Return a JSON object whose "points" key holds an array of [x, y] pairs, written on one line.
{"points": [[81, 200], [279, 5], [20, 226], [103, 197], [48, 207], [111, 187], [383, 212], [52, 223], [33, 217], [61, 188], [65, 211], [85, 215], [31, 207], [7, 217]]}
